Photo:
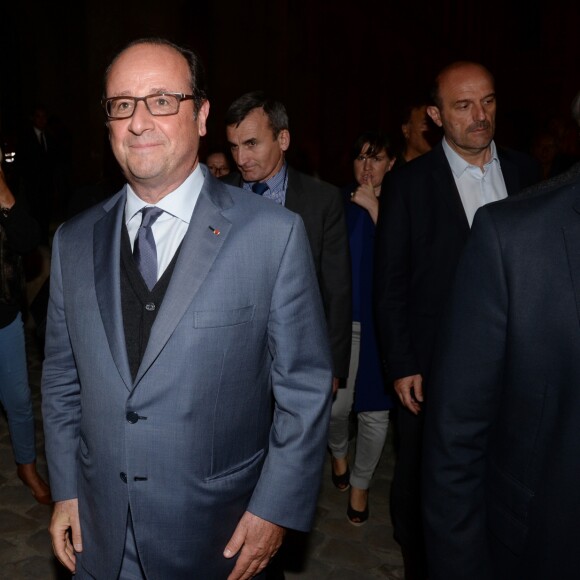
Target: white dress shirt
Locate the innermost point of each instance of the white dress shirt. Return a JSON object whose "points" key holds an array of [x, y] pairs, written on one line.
{"points": [[170, 227], [476, 186]]}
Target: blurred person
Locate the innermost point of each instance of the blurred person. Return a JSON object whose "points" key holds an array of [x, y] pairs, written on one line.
{"points": [[37, 160], [373, 156], [217, 162], [258, 133], [19, 235], [501, 453], [187, 373], [417, 133], [422, 228]]}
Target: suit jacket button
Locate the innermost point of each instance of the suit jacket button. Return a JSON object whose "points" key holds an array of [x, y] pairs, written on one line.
{"points": [[132, 417], [123, 477], [150, 306]]}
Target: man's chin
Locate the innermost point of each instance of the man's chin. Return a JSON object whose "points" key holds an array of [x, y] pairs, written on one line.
{"points": [[249, 176]]}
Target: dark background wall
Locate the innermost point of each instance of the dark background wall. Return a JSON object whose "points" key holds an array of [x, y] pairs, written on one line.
{"points": [[340, 68]]}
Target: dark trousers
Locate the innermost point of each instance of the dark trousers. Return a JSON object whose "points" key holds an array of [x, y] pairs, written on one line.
{"points": [[405, 501]]}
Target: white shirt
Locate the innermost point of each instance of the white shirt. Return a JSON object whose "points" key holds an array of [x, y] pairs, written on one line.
{"points": [[170, 227], [476, 187]]}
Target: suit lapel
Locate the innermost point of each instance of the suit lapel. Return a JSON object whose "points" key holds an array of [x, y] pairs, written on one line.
{"points": [[510, 174], [199, 249], [294, 192], [443, 177], [106, 257]]}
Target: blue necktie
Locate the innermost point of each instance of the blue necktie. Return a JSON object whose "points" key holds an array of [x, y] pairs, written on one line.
{"points": [[260, 187], [144, 249]]}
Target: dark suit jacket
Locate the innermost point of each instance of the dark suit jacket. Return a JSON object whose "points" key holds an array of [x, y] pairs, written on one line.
{"points": [[501, 449], [421, 231], [320, 206]]}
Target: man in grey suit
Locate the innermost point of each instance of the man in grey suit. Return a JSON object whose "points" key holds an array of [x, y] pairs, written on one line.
{"points": [[259, 136], [186, 386]]}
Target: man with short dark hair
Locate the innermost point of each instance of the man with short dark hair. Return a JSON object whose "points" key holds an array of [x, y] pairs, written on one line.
{"points": [[258, 133], [422, 228]]}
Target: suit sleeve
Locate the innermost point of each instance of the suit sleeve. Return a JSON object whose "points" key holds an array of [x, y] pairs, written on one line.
{"points": [[461, 406], [392, 285], [61, 408], [335, 284], [287, 490]]}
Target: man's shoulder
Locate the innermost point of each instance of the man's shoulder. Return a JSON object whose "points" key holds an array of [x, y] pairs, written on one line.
{"points": [[308, 183], [419, 174], [539, 201], [568, 177], [92, 214]]}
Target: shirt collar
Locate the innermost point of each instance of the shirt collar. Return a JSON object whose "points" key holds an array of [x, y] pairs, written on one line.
{"points": [[179, 203], [458, 164], [276, 183]]}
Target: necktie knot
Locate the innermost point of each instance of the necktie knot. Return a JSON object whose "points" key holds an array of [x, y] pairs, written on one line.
{"points": [[150, 215], [259, 187]]}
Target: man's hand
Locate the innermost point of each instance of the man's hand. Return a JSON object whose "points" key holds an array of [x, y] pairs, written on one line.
{"points": [[410, 391], [65, 517], [258, 541], [335, 385]]}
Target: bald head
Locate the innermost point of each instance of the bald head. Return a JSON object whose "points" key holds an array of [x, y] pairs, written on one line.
{"points": [[458, 72]]}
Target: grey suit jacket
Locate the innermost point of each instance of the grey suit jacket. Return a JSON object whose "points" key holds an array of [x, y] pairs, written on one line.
{"points": [[320, 206], [229, 408]]}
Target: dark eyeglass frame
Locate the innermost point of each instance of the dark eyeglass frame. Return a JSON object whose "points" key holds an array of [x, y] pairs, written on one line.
{"points": [[179, 96]]}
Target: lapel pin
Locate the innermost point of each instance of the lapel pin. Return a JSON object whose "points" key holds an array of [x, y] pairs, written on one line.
{"points": [[215, 232]]}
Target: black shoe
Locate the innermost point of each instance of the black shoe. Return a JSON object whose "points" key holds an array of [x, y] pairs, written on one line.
{"points": [[357, 518], [341, 482]]}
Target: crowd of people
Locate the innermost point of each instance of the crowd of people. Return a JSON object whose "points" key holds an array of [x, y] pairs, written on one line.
{"points": [[221, 325]]}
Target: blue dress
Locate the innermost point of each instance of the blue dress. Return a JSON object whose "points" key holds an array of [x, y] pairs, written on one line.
{"points": [[370, 389]]}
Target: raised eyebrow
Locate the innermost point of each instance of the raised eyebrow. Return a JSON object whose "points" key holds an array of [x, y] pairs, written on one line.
{"points": [[490, 96]]}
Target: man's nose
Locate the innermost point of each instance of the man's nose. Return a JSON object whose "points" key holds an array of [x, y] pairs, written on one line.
{"points": [[479, 113], [141, 117]]}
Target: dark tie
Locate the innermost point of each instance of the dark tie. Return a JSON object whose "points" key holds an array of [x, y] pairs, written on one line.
{"points": [[144, 250], [260, 187]]}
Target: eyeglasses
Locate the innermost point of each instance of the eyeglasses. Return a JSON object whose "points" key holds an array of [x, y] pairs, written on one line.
{"points": [[159, 105]]}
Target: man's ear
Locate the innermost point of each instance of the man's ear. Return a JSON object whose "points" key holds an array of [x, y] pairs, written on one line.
{"points": [[284, 139], [201, 118], [435, 115]]}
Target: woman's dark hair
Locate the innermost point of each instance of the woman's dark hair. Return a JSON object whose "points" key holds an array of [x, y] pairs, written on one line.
{"points": [[377, 141]]}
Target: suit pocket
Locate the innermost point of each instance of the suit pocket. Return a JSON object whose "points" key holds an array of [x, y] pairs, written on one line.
{"points": [[508, 506], [217, 318], [239, 469]]}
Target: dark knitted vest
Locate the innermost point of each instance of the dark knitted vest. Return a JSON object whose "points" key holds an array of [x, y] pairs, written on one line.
{"points": [[139, 304]]}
